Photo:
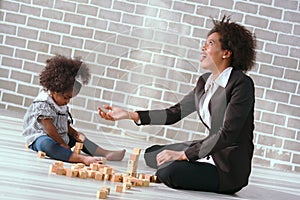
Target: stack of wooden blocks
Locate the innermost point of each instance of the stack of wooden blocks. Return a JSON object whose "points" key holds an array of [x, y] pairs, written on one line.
{"points": [[79, 144], [133, 162], [78, 147]]}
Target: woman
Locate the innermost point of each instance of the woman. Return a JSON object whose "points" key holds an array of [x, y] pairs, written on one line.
{"points": [[224, 100]]}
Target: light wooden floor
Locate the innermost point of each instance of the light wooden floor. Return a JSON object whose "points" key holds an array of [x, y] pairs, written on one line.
{"points": [[24, 176]]}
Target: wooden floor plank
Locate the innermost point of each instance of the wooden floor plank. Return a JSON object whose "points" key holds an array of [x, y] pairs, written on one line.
{"points": [[24, 176]]}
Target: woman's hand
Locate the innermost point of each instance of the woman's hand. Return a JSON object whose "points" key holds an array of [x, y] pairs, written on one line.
{"points": [[113, 113], [169, 155]]}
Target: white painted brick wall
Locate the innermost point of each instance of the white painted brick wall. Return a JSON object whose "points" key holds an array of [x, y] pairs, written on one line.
{"points": [[145, 54]]}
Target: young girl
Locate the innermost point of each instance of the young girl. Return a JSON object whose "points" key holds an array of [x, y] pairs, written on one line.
{"points": [[47, 121]]}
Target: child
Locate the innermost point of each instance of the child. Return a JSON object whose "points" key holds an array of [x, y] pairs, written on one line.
{"points": [[47, 121]]}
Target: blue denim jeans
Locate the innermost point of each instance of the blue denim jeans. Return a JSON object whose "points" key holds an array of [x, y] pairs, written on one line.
{"points": [[54, 150]]}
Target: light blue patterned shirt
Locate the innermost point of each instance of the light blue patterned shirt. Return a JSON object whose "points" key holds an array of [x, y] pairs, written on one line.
{"points": [[43, 107]]}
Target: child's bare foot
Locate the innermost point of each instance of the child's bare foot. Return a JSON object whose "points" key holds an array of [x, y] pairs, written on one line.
{"points": [[115, 155]]}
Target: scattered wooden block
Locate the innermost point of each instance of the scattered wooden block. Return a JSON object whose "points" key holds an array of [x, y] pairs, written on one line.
{"points": [[106, 188], [107, 177], [146, 183], [101, 194], [116, 178], [99, 176], [58, 163], [94, 166], [41, 154], [91, 173], [107, 170], [127, 186], [136, 151], [134, 157], [72, 172], [83, 174], [119, 188], [60, 171], [79, 145]]}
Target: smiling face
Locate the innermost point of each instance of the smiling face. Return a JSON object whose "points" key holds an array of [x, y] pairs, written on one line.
{"points": [[213, 57], [62, 99]]}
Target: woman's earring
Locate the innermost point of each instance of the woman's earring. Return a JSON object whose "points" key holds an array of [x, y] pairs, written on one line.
{"points": [[224, 57]]}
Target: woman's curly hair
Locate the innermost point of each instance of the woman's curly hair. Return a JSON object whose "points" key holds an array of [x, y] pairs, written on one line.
{"points": [[239, 41], [62, 74]]}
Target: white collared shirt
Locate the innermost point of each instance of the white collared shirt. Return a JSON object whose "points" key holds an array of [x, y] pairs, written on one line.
{"points": [[210, 88]]}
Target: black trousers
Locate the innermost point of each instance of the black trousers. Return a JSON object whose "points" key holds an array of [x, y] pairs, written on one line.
{"points": [[183, 174]]}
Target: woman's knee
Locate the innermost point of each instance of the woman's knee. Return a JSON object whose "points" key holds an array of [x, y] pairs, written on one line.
{"points": [[166, 174]]}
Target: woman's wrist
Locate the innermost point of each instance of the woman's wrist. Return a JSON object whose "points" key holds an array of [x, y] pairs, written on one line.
{"points": [[183, 156], [134, 116]]}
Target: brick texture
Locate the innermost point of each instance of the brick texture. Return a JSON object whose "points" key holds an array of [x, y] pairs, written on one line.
{"points": [[145, 54]]}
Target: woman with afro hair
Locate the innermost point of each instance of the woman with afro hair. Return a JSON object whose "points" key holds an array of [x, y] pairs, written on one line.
{"points": [[47, 122], [224, 100]]}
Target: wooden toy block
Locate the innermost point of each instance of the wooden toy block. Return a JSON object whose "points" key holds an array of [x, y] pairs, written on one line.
{"points": [[131, 180], [107, 170], [101, 194], [78, 166], [127, 186], [101, 167], [146, 182], [119, 188], [78, 145], [134, 157], [91, 173], [106, 188], [52, 169], [41, 154], [26, 146], [136, 151], [138, 182], [131, 169], [58, 163], [132, 174], [99, 176], [154, 179], [116, 178], [83, 174], [71, 173], [94, 166], [87, 168], [147, 177], [60, 171], [81, 138], [132, 166], [107, 177], [141, 176]]}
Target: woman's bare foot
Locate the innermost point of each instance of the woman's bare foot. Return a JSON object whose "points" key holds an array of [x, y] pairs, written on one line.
{"points": [[115, 155]]}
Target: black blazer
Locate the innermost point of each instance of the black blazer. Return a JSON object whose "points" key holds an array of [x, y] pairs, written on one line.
{"points": [[230, 139]]}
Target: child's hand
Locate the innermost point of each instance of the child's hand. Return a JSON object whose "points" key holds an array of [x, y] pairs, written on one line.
{"points": [[113, 113]]}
